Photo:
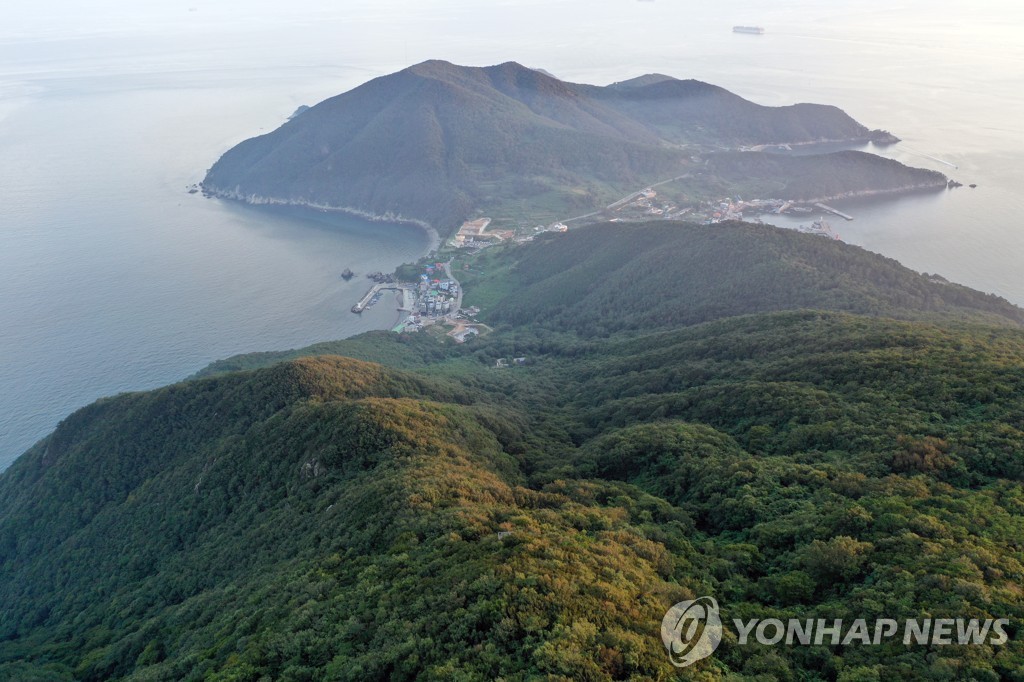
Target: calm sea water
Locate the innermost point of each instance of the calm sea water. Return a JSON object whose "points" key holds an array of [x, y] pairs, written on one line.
{"points": [[112, 278]]}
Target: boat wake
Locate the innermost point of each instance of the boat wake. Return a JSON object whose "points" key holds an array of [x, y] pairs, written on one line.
{"points": [[927, 156]]}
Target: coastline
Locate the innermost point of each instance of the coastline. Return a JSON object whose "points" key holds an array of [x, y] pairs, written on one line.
{"points": [[867, 193], [388, 218], [260, 200], [881, 140]]}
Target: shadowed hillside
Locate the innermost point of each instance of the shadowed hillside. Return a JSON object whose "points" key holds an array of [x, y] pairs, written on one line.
{"points": [[435, 142], [694, 112], [616, 277]]}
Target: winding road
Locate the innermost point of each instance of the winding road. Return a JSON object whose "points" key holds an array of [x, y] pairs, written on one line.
{"points": [[458, 297]]}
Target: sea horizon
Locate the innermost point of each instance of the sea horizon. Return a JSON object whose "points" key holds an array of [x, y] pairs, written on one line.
{"points": [[113, 278]]}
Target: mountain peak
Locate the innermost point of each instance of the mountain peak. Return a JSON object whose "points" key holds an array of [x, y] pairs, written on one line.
{"points": [[427, 142], [640, 81], [433, 66], [442, 67]]}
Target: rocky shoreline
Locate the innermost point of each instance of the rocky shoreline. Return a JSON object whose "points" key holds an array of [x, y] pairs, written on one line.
{"points": [[936, 184], [260, 200], [882, 138]]}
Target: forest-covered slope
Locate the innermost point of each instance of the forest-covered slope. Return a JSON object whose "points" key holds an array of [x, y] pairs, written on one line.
{"points": [[621, 276], [435, 142], [325, 518]]}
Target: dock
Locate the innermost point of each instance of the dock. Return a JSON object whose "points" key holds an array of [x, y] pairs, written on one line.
{"points": [[829, 209], [365, 300], [384, 286]]}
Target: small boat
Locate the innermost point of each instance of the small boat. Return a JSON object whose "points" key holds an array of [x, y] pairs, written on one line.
{"points": [[756, 30], [347, 274]]}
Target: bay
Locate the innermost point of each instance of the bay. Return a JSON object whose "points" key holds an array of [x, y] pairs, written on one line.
{"points": [[113, 278]]}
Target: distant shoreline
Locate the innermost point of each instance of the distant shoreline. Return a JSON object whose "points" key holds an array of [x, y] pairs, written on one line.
{"points": [[890, 192], [389, 218], [884, 139]]}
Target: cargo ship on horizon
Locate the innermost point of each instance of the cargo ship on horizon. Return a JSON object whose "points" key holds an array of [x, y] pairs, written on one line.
{"points": [[756, 30]]}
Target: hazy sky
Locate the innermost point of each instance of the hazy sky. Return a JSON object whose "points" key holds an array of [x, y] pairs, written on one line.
{"points": [[72, 17], [183, 80], [974, 49], [290, 27]]}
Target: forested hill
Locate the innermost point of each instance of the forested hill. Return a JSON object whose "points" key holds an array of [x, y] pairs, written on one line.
{"points": [[691, 111], [622, 276], [326, 518], [436, 141], [331, 520]]}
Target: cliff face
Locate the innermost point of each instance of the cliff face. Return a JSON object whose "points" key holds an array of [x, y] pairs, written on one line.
{"points": [[436, 141]]}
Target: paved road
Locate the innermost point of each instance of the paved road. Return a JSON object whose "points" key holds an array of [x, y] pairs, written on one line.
{"points": [[458, 297], [625, 199]]}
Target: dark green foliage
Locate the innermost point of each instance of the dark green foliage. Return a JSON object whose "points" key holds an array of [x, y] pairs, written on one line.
{"points": [[818, 177], [614, 277], [383, 347], [324, 518]]}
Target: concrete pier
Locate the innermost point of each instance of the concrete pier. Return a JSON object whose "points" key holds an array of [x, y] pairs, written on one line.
{"points": [[407, 296], [833, 211]]}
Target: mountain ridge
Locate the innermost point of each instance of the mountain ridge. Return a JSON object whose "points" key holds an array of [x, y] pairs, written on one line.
{"points": [[436, 141], [678, 428]]}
